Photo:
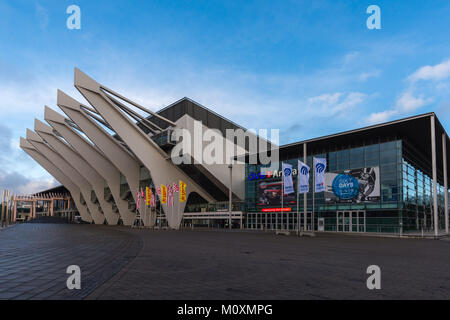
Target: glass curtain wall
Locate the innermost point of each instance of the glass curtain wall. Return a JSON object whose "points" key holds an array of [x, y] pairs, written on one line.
{"points": [[404, 204], [382, 215]]}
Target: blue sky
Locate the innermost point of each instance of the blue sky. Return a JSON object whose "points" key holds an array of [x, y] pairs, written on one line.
{"points": [[309, 68]]}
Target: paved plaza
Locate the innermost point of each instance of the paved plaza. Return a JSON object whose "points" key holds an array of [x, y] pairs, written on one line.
{"points": [[124, 263]]}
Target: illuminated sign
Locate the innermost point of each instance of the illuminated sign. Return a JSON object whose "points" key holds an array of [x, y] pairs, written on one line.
{"points": [[276, 209], [269, 174]]}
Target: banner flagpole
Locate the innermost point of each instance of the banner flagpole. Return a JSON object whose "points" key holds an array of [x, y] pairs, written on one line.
{"points": [[305, 195], [298, 218], [282, 197], [171, 200], [314, 197], [298, 193]]}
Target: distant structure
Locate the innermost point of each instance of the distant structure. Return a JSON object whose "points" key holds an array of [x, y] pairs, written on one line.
{"points": [[55, 202]]}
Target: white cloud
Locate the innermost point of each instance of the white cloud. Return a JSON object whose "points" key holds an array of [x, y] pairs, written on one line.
{"points": [[407, 102], [351, 57], [36, 185], [19, 183], [435, 73], [382, 116], [333, 103], [42, 16], [326, 99], [410, 100], [353, 99], [370, 74]]}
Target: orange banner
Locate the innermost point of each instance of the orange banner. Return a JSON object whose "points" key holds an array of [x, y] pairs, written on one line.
{"points": [[148, 198], [182, 191], [163, 194]]}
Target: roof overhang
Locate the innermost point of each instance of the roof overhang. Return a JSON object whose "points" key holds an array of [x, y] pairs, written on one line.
{"points": [[415, 130]]}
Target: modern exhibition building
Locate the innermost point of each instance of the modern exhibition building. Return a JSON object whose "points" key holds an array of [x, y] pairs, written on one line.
{"points": [[106, 152]]}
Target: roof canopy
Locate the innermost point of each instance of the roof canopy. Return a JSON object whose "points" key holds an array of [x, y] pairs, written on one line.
{"points": [[416, 131]]}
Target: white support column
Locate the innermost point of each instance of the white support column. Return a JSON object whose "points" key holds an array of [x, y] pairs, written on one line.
{"points": [[433, 162], [75, 160], [58, 175], [162, 169], [59, 162], [122, 160], [444, 162], [95, 159]]}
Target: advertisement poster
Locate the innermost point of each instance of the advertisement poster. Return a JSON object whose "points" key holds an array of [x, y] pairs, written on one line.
{"points": [[353, 186], [269, 194]]}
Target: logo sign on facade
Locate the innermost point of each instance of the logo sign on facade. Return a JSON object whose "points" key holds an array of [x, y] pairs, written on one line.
{"points": [[345, 187], [268, 174]]}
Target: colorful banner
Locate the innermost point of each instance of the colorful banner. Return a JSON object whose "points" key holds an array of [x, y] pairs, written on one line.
{"points": [[303, 178], [142, 197], [148, 198], [320, 165], [353, 186], [138, 199], [182, 191], [153, 203], [169, 195], [287, 178], [163, 196]]}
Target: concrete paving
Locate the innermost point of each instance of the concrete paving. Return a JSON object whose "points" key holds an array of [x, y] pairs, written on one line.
{"points": [[34, 258], [124, 263]]}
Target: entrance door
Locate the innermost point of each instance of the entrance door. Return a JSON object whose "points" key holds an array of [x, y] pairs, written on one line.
{"points": [[351, 221]]}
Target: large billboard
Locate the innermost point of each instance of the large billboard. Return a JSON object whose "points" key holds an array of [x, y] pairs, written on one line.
{"points": [[269, 194], [353, 186]]}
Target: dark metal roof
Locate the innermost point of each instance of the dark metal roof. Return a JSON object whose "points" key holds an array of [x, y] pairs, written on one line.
{"points": [[416, 131], [197, 111], [59, 189]]}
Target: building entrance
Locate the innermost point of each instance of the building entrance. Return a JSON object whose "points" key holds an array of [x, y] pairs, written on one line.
{"points": [[351, 221]]}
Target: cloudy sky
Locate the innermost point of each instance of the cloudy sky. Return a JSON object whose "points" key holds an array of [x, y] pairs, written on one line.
{"points": [[309, 68]]}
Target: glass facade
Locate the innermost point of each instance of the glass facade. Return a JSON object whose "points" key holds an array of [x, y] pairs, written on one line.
{"points": [[403, 204]]}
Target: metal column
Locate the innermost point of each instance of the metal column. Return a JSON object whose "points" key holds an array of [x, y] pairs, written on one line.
{"points": [[433, 161], [444, 161]]}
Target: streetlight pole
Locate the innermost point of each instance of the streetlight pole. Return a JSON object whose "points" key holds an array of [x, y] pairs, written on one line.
{"points": [[230, 195]]}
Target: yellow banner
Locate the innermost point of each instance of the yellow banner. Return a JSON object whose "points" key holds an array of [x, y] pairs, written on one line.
{"points": [[182, 191], [148, 193], [163, 194]]}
